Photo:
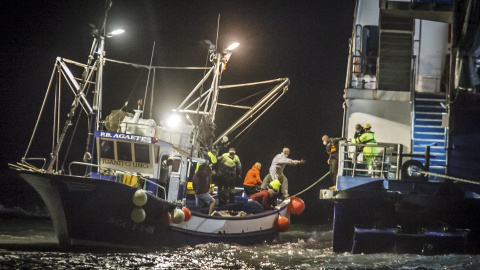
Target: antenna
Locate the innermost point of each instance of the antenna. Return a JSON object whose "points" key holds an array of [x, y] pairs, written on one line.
{"points": [[148, 79], [218, 29]]}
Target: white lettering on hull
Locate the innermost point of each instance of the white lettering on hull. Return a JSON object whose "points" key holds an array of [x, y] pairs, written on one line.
{"points": [[128, 225]]}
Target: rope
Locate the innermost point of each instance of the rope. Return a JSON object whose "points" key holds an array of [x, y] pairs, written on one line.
{"points": [[311, 185], [150, 67], [450, 177]]}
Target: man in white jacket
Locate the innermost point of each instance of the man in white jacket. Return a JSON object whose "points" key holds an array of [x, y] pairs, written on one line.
{"points": [[278, 164]]}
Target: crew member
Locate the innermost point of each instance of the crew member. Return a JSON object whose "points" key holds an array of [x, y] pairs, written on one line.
{"points": [[252, 181], [262, 201], [229, 170], [331, 147], [369, 152], [201, 186], [358, 131], [277, 167]]}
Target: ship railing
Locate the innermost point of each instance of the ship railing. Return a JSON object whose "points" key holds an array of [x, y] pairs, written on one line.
{"points": [[361, 66], [80, 163], [134, 128], [382, 164], [44, 161]]}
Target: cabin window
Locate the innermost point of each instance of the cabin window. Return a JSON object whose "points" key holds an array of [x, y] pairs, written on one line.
{"points": [[141, 153], [124, 151], [370, 49], [106, 149], [164, 170], [176, 165]]}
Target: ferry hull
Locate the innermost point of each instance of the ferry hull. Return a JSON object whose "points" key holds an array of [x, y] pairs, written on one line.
{"points": [[423, 221]]}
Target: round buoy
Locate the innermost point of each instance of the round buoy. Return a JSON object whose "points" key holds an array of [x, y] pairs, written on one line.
{"points": [[282, 224], [166, 218], [187, 213], [296, 206], [138, 214], [140, 197], [178, 216]]}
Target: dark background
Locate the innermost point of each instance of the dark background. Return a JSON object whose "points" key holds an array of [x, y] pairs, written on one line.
{"points": [[303, 40]]}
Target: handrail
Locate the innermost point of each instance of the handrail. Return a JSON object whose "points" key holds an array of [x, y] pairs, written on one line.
{"points": [[79, 163], [358, 67], [382, 166], [42, 159], [151, 182]]}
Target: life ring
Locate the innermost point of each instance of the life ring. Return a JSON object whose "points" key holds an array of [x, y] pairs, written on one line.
{"points": [[415, 177]]}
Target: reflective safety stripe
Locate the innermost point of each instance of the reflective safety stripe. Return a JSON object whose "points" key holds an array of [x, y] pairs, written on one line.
{"points": [[212, 157]]}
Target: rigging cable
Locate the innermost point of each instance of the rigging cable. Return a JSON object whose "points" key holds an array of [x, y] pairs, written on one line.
{"points": [[133, 89]]}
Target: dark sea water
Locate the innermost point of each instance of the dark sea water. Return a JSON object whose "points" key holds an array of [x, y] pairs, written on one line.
{"points": [[27, 241], [30, 243]]}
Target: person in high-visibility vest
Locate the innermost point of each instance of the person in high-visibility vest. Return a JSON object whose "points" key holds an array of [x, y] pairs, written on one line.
{"points": [[369, 152], [212, 157], [229, 170]]}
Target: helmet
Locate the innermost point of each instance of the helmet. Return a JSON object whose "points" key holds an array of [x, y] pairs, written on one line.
{"points": [[367, 126]]}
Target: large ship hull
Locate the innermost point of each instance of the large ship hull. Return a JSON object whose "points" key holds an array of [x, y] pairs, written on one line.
{"points": [[404, 217], [407, 178]]}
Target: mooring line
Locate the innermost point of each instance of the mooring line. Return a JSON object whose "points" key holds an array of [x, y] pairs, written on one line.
{"points": [[312, 185]]}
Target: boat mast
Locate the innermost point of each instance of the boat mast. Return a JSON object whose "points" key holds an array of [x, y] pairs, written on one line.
{"points": [[94, 120], [216, 76], [93, 112]]}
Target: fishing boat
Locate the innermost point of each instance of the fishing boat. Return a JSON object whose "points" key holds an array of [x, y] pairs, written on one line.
{"points": [[130, 188], [413, 76]]}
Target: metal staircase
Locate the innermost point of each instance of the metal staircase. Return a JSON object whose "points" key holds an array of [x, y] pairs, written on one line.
{"points": [[395, 52], [428, 130], [433, 10]]}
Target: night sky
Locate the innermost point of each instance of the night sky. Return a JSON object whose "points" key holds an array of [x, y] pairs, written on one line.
{"points": [[306, 41]]}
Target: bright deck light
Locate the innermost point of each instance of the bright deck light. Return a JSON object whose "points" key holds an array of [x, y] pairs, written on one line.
{"points": [[173, 121], [115, 33], [232, 46]]}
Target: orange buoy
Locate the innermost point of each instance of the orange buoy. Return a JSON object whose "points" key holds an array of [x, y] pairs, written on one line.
{"points": [[296, 206], [166, 219], [187, 213], [282, 224]]}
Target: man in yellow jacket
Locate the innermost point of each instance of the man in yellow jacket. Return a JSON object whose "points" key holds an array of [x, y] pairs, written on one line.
{"points": [[368, 137], [229, 170]]}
